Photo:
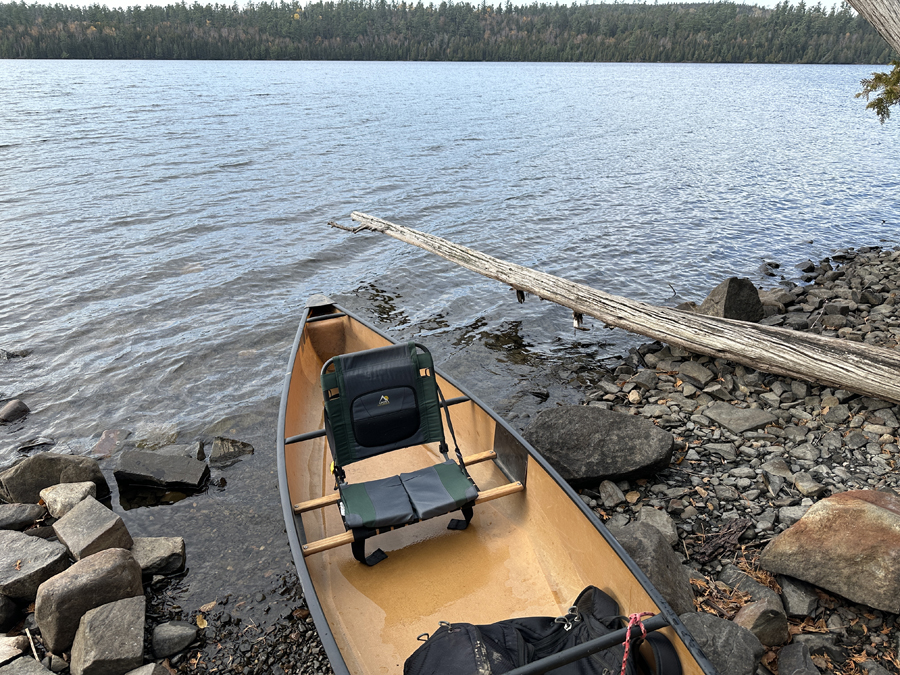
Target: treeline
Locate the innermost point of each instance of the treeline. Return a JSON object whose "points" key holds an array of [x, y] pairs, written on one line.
{"points": [[381, 30]]}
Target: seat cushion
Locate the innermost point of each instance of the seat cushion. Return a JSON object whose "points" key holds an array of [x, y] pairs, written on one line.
{"points": [[438, 489], [375, 504]]}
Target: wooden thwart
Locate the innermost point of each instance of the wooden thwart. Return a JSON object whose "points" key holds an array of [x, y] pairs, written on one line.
{"points": [[867, 370], [347, 537], [327, 500]]}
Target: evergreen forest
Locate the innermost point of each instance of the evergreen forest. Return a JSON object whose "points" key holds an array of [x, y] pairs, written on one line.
{"points": [[450, 31]]}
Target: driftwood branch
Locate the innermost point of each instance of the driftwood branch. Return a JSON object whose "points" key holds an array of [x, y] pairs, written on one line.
{"points": [[871, 371]]}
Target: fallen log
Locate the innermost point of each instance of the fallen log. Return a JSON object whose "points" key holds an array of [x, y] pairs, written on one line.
{"points": [[867, 370], [884, 15]]}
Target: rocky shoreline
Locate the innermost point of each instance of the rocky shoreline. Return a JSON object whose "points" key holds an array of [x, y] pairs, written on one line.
{"points": [[752, 453], [749, 455]]}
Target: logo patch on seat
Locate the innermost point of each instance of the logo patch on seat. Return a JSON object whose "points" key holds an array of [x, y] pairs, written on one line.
{"points": [[384, 400]]}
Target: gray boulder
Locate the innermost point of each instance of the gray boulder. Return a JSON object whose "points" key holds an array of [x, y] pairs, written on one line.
{"points": [[11, 647], [27, 562], [91, 527], [799, 598], [730, 648], [172, 637], [20, 516], [62, 498], [587, 444], [766, 620], [733, 577], [110, 638], [149, 669], [24, 481], [9, 612], [159, 555], [13, 411], [661, 521], [151, 468], [734, 298], [648, 548], [227, 451], [104, 577], [794, 659], [24, 666]]}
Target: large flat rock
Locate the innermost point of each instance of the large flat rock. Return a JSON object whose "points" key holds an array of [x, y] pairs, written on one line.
{"points": [[151, 468], [587, 444], [24, 481], [738, 420], [27, 562], [101, 578], [849, 544]]}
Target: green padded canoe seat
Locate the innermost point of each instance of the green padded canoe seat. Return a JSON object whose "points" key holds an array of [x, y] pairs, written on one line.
{"points": [[378, 401], [439, 489], [376, 504]]}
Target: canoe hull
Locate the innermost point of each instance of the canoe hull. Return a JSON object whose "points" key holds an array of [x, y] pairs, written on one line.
{"points": [[525, 554]]}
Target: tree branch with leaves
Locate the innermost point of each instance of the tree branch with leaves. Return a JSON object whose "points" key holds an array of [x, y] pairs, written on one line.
{"points": [[886, 87]]}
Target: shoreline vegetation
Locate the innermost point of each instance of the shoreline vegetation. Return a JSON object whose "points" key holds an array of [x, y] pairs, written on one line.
{"points": [[721, 32]]}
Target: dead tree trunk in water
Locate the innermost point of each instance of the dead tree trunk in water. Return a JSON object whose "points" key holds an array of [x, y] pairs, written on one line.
{"points": [[871, 371], [884, 15]]}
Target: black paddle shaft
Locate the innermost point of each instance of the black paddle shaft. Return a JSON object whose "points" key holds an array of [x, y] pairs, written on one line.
{"points": [[571, 654]]}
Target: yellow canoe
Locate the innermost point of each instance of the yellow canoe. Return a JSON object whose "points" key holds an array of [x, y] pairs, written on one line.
{"points": [[532, 546]]}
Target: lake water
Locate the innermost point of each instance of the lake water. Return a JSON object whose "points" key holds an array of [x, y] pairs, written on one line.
{"points": [[164, 222]]}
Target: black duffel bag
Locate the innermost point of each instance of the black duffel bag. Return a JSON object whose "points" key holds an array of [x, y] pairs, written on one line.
{"points": [[491, 649]]}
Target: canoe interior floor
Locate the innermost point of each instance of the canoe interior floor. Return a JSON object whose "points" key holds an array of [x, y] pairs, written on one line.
{"points": [[526, 554]]}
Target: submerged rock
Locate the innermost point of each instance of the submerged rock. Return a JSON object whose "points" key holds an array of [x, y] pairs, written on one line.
{"points": [[226, 450], [13, 411], [151, 468]]}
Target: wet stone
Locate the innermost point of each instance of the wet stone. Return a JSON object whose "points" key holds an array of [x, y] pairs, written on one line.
{"points": [[20, 516], [26, 562], [90, 527]]}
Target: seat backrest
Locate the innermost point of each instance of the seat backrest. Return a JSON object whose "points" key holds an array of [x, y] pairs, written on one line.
{"points": [[380, 400]]}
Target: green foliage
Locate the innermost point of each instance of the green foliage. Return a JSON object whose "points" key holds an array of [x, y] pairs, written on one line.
{"points": [[889, 86], [451, 31]]}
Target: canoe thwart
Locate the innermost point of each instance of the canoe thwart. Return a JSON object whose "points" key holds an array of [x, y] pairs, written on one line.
{"points": [[499, 491], [326, 317], [318, 503]]}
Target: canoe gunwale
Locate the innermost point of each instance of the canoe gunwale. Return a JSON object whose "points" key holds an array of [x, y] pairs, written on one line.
{"points": [[297, 536]]}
